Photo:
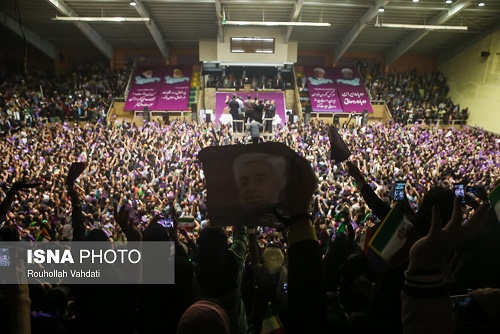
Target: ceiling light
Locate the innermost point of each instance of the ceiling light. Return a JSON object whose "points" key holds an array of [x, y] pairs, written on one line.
{"points": [[381, 10], [133, 3], [415, 0], [420, 26], [258, 39], [100, 19], [449, 1], [252, 64], [275, 24], [481, 4]]}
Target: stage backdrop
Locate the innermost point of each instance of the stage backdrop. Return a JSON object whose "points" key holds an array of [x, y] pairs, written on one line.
{"points": [[337, 89], [159, 88], [322, 90], [279, 97]]}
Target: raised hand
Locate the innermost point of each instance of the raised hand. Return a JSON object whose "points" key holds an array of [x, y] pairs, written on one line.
{"points": [[124, 219], [183, 232], [430, 252], [75, 171], [24, 184], [172, 231], [354, 171], [299, 190]]}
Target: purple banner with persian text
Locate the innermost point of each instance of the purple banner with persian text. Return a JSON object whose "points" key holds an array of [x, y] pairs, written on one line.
{"points": [[223, 116], [144, 88], [160, 88], [322, 90], [175, 88], [351, 89]]}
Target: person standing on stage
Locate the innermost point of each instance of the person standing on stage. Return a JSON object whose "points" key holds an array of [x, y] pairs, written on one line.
{"points": [[258, 111], [249, 105], [234, 107], [254, 128], [270, 113]]}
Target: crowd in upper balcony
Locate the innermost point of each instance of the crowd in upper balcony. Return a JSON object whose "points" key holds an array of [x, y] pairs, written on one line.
{"points": [[412, 96]]}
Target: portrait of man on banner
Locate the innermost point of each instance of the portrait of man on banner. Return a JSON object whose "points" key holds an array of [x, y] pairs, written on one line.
{"points": [[349, 78], [177, 76], [318, 77], [146, 77]]}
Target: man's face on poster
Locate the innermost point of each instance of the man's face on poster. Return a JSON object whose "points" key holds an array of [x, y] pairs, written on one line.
{"points": [[148, 74], [319, 73], [178, 73], [348, 74], [259, 184]]}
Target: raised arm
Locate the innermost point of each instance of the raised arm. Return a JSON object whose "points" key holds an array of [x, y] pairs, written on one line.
{"points": [[306, 284], [18, 300], [77, 218], [239, 245], [425, 300], [379, 207], [11, 195], [253, 247]]}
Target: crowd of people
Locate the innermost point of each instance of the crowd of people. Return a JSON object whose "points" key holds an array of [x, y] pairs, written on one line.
{"points": [[314, 275], [256, 82], [156, 160], [410, 96], [154, 168], [251, 109], [83, 93]]}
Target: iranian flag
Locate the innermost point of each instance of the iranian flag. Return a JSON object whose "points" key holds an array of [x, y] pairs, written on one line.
{"points": [[43, 235], [364, 240], [271, 324], [494, 198], [394, 238], [378, 265]]}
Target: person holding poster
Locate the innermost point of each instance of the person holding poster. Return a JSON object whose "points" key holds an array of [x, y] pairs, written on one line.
{"points": [[246, 184]]}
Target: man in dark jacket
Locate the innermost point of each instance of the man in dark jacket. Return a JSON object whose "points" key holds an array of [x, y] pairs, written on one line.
{"points": [[254, 127], [234, 107], [270, 113]]}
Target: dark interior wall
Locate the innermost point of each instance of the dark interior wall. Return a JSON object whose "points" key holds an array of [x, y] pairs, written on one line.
{"points": [[13, 53], [69, 57]]}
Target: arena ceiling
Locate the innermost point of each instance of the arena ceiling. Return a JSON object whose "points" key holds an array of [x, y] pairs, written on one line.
{"points": [[177, 24]]}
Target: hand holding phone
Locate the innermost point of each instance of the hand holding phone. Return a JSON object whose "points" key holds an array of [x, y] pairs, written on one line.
{"points": [[15, 272], [399, 191], [167, 221], [6, 263], [471, 190], [460, 191], [5, 257], [467, 311]]}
